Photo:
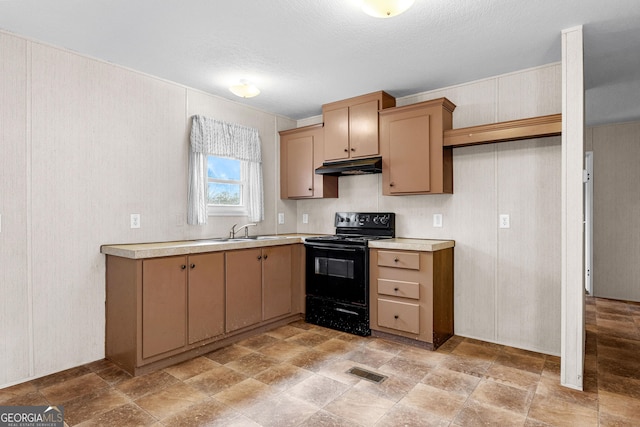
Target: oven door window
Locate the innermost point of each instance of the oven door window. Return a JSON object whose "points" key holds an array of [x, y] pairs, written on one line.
{"points": [[334, 267]]}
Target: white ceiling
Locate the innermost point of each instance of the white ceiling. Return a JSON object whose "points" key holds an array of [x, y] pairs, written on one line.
{"points": [[304, 53]]}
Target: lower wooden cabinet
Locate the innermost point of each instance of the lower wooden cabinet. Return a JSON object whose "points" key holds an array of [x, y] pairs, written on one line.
{"points": [[412, 294], [160, 311], [244, 288], [206, 296], [258, 285]]}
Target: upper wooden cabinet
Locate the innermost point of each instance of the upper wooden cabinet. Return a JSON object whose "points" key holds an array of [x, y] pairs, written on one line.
{"points": [[414, 160], [351, 126], [301, 152]]}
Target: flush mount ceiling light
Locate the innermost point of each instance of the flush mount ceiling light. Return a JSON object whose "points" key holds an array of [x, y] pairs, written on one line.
{"points": [[244, 89], [385, 8]]}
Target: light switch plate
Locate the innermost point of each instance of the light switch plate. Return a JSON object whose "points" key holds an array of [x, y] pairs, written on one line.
{"points": [[135, 220], [305, 218], [437, 220], [505, 221], [280, 218]]}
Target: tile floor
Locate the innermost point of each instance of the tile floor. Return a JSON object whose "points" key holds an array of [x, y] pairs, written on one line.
{"points": [[296, 376]]}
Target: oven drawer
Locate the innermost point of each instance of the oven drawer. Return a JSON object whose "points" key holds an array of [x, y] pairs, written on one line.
{"points": [[397, 315], [408, 260], [399, 288]]}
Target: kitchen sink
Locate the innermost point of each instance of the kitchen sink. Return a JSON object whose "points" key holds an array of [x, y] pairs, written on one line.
{"points": [[215, 240], [250, 238], [236, 239]]}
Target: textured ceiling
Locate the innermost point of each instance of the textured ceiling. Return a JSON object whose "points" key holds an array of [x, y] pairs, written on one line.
{"points": [[305, 53]]}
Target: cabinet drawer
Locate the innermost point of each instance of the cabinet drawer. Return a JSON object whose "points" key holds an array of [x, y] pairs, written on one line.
{"points": [[399, 315], [399, 288], [410, 260]]}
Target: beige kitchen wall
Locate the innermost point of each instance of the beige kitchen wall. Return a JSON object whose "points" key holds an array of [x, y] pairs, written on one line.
{"points": [[84, 145], [507, 281], [616, 210]]}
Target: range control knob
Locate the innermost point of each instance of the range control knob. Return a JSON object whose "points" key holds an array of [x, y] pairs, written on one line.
{"points": [[376, 219], [384, 220]]}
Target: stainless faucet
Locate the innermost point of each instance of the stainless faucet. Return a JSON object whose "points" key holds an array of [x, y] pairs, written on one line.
{"points": [[233, 231]]}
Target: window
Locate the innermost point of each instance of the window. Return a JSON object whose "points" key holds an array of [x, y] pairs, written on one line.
{"points": [[226, 186], [225, 171]]}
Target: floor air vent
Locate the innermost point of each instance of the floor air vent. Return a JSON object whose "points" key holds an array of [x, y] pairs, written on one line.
{"points": [[367, 375]]}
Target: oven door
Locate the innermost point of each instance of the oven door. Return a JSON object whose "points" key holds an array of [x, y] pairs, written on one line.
{"points": [[337, 272]]}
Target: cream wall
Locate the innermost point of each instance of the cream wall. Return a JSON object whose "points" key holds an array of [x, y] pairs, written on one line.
{"points": [[507, 281], [85, 144], [616, 210]]}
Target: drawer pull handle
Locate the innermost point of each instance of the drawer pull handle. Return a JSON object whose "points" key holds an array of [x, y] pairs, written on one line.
{"points": [[396, 316], [396, 289], [396, 259]]}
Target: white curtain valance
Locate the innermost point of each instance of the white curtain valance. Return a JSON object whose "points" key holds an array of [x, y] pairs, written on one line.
{"points": [[218, 138]]}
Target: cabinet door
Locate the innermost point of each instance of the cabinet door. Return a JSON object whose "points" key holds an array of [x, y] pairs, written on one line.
{"points": [[206, 296], [164, 305], [244, 288], [276, 281], [363, 129], [336, 134], [409, 155], [300, 170]]}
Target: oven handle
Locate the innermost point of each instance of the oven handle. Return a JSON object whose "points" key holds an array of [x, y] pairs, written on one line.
{"points": [[342, 310], [334, 247]]}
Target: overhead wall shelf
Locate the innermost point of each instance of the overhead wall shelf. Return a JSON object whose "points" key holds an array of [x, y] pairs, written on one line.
{"points": [[534, 127]]}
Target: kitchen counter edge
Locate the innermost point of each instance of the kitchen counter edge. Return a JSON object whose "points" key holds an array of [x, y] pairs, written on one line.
{"points": [[424, 245]]}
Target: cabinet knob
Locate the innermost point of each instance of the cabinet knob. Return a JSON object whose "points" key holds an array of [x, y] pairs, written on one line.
{"points": [[346, 150], [310, 189], [391, 184], [396, 289], [265, 256], [396, 316], [353, 149], [259, 257], [192, 266], [396, 260], [182, 267]]}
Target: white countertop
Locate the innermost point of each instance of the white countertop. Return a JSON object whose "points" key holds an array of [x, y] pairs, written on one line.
{"points": [[425, 245], [187, 247]]}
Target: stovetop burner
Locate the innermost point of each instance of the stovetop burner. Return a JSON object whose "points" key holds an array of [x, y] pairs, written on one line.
{"points": [[356, 228]]}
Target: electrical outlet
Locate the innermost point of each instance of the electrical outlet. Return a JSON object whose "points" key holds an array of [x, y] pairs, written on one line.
{"points": [[437, 220], [505, 221], [280, 218], [135, 220], [305, 218]]}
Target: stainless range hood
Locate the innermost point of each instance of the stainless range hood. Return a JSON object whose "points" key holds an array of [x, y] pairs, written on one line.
{"points": [[351, 167]]}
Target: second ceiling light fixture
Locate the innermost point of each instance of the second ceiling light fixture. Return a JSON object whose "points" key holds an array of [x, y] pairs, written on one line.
{"points": [[385, 8]]}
